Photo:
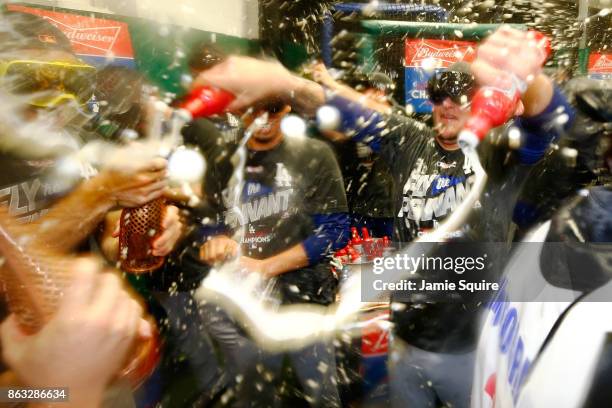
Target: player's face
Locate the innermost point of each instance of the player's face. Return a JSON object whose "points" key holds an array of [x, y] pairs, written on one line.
{"points": [[269, 128], [449, 118]]}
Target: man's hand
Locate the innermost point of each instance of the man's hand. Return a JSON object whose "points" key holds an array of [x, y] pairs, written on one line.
{"points": [[252, 80], [172, 227], [85, 344], [510, 52], [249, 79], [218, 249], [255, 265], [321, 75], [133, 186]]}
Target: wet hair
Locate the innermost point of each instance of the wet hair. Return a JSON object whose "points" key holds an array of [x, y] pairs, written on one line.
{"points": [[119, 90], [119, 86], [204, 56], [374, 80]]}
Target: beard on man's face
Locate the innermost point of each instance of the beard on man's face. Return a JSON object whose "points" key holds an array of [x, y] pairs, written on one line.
{"points": [[449, 118]]}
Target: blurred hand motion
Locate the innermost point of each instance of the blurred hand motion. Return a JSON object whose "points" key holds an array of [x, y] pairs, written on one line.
{"points": [[88, 339]]}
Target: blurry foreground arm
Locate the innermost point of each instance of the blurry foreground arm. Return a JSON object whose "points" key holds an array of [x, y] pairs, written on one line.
{"points": [[74, 217], [84, 345], [322, 76], [253, 80]]}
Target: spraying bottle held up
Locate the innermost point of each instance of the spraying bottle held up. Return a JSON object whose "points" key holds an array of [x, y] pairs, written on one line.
{"points": [[493, 106], [205, 101], [141, 226]]}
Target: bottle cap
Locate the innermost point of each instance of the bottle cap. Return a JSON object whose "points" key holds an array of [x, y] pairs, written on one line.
{"points": [[468, 140]]}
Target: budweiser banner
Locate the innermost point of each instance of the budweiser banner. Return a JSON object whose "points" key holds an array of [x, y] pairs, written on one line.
{"points": [[97, 41], [600, 65], [423, 58]]}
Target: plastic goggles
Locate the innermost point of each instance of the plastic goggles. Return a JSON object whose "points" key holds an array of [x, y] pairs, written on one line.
{"points": [[458, 86], [51, 83]]}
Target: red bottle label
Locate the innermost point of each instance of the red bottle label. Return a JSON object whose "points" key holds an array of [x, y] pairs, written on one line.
{"points": [[207, 101]]}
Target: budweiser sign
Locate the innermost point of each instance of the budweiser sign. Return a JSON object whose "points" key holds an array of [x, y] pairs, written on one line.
{"points": [[600, 63], [89, 36], [438, 53], [101, 39]]}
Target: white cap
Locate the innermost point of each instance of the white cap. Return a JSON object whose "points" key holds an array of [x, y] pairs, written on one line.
{"points": [[328, 118], [184, 114], [468, 139]]}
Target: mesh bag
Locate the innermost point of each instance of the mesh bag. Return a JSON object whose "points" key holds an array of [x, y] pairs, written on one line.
{"points": [[138, 229], [34, 281]]}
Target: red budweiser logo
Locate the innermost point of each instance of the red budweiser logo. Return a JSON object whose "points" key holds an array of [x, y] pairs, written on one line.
{"points": [[427, 52], [88, 35], [444, 51], [603, 62], [95, 38], [600, 63]]}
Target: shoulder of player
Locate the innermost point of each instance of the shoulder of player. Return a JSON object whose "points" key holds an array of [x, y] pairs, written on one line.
{"points": [[407, 131], [308, 145]]}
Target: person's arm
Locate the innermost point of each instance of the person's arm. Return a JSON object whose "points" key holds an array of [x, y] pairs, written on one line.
{"points": [[545, 112], [545, 127], [286, 261], [322, 76], [76, 216], [252, 80], [331, 233]]}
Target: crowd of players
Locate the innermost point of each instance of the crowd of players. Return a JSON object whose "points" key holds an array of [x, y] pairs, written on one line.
{"points": [[378, 168]]}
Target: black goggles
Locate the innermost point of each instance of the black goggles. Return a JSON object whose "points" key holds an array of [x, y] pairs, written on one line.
{"points": [[458, 86], [70, 81]]}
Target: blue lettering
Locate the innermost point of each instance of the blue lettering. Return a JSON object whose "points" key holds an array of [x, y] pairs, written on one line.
{"points": [[509, 330], [516, 357], [521, 379]]}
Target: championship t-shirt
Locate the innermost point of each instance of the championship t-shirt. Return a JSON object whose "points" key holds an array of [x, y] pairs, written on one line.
{"points": [[27, 187], [367, 180], [430, 184], [283, 189]]}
